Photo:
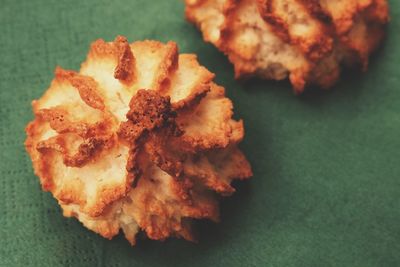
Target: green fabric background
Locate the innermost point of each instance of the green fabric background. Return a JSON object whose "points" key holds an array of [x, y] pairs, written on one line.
{"points": [[326, 180]]}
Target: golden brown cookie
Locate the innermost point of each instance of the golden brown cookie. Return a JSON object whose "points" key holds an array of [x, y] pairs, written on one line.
{"points": [[141, 138], [308, 41]]}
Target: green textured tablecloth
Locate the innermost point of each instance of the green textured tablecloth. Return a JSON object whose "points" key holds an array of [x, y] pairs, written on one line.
{"points": [[326, 165]]}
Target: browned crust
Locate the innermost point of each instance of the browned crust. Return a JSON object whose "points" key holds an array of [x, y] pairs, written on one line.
{"points": [[194, 98], [167, 67], [151, 125], [86, 150], [314, 8], [315, 48], [201, 87], [151, 121], [119, 50], [86, 86], [70, 193], [162, 148], [109, 196], [58, 120], [242, 68], [148, 111], [276, 23], [126, 62], [230, 6]]}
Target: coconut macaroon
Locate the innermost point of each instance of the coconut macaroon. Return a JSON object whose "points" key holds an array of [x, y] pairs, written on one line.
{"points": [[307, 41], [140, 139]]}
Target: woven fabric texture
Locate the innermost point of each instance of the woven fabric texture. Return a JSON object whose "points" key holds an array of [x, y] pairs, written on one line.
{"points": [[326, 165]]}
